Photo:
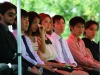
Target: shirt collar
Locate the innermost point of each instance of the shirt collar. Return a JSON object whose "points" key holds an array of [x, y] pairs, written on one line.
{"points": [[15, 30], [71, 35], [4, 27], [57, 36]]}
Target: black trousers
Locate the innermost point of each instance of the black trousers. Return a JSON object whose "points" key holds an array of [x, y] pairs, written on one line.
{"points": [[92, 72], [45, 72], [64, 69], [14, 70], [50, 72], [4, 69], [30, 73]]}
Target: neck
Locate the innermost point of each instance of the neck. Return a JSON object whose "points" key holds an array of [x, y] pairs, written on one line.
{"points": [[75, 36], [22, 32], [29, 33], [88, 38], [58, 33]]}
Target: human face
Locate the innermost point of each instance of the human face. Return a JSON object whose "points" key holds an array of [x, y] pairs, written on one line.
{"points": [[91, 31], [8, 17], [77, 30], [34, 25], [24, 23], [46, 23], [59, 26]]}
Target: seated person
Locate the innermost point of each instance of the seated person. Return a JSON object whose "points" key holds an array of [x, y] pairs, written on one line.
{"points": [[91, 28], [61, 47], [37, 35], [77, 46]]}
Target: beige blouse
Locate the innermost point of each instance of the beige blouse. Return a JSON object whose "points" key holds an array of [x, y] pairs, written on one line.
{"points": [[50, 53], [35, 44]]}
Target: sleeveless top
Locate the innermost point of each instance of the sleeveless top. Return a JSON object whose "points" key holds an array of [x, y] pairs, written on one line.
{"points": [[35, 44], [50, 53]]}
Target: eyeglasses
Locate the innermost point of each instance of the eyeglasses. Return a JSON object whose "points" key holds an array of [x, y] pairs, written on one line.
{"points": [[11, 14]]}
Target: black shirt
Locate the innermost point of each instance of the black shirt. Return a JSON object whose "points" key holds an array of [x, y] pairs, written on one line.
{"points": [[94, 48]]}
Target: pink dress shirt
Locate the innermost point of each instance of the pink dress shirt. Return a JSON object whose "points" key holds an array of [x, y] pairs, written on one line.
{"points": [[80, 53]]}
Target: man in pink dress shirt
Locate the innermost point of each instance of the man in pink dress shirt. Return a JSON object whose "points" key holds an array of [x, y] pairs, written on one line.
{"points": [[77, 46]]}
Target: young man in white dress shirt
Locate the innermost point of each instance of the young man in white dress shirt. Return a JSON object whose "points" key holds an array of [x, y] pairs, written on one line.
{"points": [[61, 45]]}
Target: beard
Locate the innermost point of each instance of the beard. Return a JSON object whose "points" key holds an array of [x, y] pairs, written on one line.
{"points": [[8, 23]]}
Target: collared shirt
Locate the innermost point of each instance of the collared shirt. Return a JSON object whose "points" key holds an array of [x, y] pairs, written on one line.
{"points": [[80, 52], [56, 44], [24, 53]]}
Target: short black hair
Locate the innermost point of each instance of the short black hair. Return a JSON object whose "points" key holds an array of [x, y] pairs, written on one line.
{"points": [[24, 13], [5, 6], [73, 21], [57, 17]]}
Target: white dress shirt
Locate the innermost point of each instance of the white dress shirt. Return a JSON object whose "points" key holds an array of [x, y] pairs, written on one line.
{"points": [[24, 53], [56, 43]]}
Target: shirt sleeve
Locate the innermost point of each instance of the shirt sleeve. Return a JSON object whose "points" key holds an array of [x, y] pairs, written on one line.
{"points": [[26, 55], [33, 52], [23, 51], [70, 54], [78, 56]]}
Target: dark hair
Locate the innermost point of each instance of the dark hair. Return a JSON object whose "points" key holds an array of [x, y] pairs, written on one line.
{"points": [[24, 13], [89, 23], [73, 21], [32, 15], [5, 6], [57, 17]]}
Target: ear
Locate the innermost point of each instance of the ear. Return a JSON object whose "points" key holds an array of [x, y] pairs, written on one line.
{"points": [[1, 16], [71, 28]]}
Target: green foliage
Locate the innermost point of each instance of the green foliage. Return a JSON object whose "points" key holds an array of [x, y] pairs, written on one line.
{"points": [[67, 8]]}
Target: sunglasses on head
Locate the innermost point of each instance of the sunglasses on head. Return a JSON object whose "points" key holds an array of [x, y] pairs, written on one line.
{"points": [[11, 14]]}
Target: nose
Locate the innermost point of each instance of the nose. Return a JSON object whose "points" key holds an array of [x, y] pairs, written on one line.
{"points": [[27, 22], [49, 24], [62, 25], [36, 25], [13, 16]]}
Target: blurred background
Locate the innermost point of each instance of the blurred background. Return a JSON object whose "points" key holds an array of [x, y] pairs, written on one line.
{"points": [[88, 9]]}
